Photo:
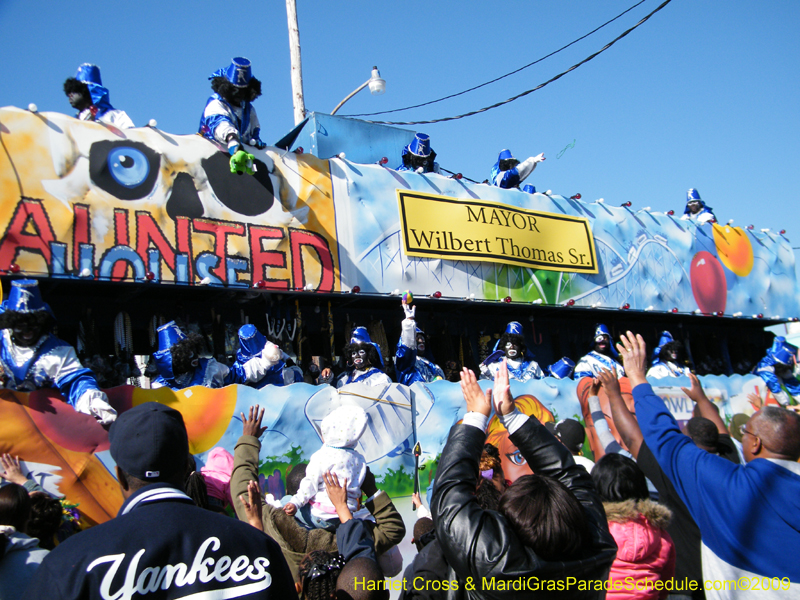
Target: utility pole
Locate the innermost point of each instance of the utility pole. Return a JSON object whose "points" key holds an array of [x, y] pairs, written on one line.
{"points": [[297, 67]]}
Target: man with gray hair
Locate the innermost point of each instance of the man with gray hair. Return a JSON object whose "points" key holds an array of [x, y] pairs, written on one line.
{"points": [[748, 515]]}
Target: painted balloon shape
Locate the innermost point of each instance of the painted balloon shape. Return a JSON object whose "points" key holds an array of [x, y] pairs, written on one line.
{"points": [[708, 283], [734, 249]]}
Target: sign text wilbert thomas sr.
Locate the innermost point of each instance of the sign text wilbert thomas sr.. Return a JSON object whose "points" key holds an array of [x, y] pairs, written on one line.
{"points": [[458, 229]]}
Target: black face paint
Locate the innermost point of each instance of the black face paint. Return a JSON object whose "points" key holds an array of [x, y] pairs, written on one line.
{"points": [[359, 358], [26, 335], [512, 351], [421, 344]]}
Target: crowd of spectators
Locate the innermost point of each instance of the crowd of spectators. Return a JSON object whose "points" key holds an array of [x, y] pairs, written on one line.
{"points": [[663, 512]]}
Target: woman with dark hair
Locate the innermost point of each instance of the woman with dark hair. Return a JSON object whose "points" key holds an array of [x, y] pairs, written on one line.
{"points": [[549, 533], [646, 553], [21, 555]]}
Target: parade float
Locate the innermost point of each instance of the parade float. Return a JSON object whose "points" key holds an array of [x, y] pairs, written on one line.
{"points": [[127, 229]]}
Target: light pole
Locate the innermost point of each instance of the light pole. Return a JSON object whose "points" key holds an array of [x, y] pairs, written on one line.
{"points": [[376, 84]]}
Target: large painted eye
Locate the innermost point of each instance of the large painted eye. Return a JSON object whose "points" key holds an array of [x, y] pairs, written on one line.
{"points": [[516, 458], [128, 166], [125, 169]]}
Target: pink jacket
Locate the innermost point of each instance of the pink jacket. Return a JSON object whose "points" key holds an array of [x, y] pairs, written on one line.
{"points": [[646, 553]]}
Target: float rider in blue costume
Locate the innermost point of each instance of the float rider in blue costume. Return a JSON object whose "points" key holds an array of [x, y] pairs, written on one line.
{"points": [[90, 98], [508, 172], [180, 366], [776, 369], [696, 210], [669, 358], [364, 361], [418, 156], [511, 345], [229, 117], [253, 343], [410, 361], [33, 358], [602, 357]]}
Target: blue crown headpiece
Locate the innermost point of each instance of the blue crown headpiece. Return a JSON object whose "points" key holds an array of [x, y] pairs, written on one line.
{"points": [[239, 72], [562, 369], [505, 155], [25, 297], [515, 327], [169, 335], [89, 73], [360, 335], [419, 146]]}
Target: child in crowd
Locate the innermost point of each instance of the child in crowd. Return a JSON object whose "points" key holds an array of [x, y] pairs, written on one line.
{"points": [[341, 430]]}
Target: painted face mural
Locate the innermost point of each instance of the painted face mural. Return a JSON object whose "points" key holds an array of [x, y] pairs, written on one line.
{"points": [[89, 200], [514, 464]]}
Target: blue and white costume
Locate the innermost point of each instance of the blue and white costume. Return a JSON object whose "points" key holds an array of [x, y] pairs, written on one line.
{"points": [[208, 372], [705, 214], [592, 364], [50, 362], [779, 354], [420, 151], [520, 369], [104, 112], [511, 178], [251, 344], [221, 119], [411, 367], [369, 375]]}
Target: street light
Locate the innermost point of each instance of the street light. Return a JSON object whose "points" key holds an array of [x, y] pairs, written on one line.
{"points": [[376, 84]]}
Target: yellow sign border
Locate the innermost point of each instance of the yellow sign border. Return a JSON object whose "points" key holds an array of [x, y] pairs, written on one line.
{"points": [[477, 256]]}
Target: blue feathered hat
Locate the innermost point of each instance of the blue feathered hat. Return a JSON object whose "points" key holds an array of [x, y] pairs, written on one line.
{"points": [[360, 335], [251, 342], [562, 369], [238, 73], [25, 297], [666, 338], [419, 146], [90, 75]]}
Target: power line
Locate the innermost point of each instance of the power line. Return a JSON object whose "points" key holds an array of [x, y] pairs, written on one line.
{"points": [[385, 112], [538, 87]]}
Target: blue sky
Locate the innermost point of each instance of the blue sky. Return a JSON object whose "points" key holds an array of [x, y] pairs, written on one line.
{"points": [[703, 95]]}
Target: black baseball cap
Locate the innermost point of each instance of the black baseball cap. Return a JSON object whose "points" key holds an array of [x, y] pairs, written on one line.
{"points": [[149, 442]]}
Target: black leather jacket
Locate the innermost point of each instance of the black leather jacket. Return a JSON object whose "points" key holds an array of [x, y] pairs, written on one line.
{"points": [[481, 544]]}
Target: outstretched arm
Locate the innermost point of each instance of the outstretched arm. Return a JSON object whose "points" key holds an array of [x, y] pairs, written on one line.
{"points": [[704, 406], [624, 420]]}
